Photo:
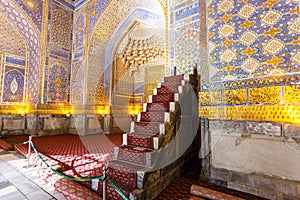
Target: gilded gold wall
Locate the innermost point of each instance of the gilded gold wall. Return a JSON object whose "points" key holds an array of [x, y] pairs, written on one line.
{"points": [[273, 103]]}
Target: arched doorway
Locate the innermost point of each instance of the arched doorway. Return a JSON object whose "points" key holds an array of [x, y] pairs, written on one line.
{"points": [[105, 37], [139, 63]]}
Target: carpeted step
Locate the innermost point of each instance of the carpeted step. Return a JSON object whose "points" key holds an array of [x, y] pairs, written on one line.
{"points": [[173, 81], [158, 116], [165, 90], [163, 106], [124, 175], [162, 98], [142, 140], [171, 84], [111, 192], [132, 154], [5, 145], [174, 78], [153, 128]]}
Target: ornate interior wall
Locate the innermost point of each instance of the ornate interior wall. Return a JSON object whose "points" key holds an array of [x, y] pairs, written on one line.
{"points": [[253, 61], [108, 29], [20, 49], [247, 55], [13, 50], [58, 54], [185, 29]]}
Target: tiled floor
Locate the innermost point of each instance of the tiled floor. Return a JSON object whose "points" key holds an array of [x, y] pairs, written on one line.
{"points": [[18, 182]]}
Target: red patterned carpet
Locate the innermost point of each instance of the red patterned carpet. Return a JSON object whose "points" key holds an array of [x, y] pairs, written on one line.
{"points": [[6, 143], [80, 156], [178, 189]]}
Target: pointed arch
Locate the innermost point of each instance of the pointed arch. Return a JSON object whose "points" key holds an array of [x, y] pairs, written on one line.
{"points": [[31, 34], [101, 41]]}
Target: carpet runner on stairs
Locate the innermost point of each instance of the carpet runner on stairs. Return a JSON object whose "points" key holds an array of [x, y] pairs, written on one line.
{"points": [[83, 157], [140, 145]]}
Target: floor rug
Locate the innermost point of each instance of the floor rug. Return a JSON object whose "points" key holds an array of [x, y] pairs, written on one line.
{"points": [[72, 155]]}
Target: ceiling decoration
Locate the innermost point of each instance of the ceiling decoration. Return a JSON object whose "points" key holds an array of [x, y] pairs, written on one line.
{"points": [[73, 3], [143, 45]]}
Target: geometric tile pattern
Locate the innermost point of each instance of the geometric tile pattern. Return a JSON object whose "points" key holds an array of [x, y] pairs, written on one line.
{"points": [[60, 26], [77, 68], [12, 44], [252, 39], [187, 49], [11, 41], [79, 30], [98, 43], [234, 97], [58, 83], [185, 46], [58, 58], [34, 9], [77, 85], [95, 10]]}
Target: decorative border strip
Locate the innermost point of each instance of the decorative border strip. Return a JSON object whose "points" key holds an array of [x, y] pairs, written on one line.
{"points": [[272, 113]]}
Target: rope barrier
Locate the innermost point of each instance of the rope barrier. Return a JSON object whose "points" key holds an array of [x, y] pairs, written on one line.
{"points": [[16, 143], [61, 174], [118, 190], [103, 177]]}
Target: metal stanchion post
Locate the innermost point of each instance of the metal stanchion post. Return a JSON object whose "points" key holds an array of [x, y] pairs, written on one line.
{"points": [[104, 184], [29, 151], [174, 71]]}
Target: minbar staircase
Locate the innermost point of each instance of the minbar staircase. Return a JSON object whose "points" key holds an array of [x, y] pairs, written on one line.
{"points": [[138, 167]]}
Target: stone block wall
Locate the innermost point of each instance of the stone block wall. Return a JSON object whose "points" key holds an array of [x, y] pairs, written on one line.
{"points": [[12, 125], [261, 158], [54, 124], [270, 187]]}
